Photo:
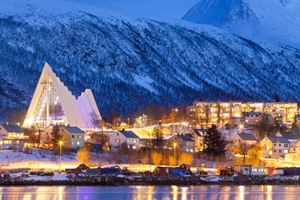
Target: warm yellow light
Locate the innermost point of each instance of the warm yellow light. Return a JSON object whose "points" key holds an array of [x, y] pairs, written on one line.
{"points": [[174, 144], [60, 143]]}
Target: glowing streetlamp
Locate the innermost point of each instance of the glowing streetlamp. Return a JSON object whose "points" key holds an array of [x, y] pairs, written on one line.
{"points": [[174, 145], [60, 145]]}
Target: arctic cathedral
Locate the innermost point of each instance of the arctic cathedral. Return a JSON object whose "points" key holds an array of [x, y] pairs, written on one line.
{"points": [[53, 103]]}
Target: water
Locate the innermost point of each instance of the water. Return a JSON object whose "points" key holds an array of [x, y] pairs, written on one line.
{"points": [[213, 192]]}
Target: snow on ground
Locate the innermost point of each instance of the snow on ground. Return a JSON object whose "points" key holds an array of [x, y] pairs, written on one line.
{"points": [[271, 20], [38, 158]]}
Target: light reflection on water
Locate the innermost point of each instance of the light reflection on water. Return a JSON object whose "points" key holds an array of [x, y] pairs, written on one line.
{"points": [[215, 192]]}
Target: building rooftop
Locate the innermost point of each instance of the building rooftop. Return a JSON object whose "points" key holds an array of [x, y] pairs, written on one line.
{"points": [[245, 136], [186, 138], [289, 136], [72, 129], [129, 134], [200, 132], [275, 139], [13, 128]]}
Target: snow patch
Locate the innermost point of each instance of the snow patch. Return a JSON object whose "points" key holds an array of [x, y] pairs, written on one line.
{"points": [[145, 82]]}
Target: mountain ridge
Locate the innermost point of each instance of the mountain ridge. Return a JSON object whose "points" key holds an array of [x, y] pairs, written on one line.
{"points": [[273, 20], [131, 63]]}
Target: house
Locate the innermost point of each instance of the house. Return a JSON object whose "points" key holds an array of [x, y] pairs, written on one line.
{"points": [[274, 146], [72, 137], [12, 136], [127, 137], [252, 118], [292, 138], [198, 137], [243, 138], [184, 141]]}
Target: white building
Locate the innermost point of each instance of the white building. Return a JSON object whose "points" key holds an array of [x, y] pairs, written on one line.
{"points": [[12, 137], [72, 137], [53, 103], [127, 137], [275, 146]]}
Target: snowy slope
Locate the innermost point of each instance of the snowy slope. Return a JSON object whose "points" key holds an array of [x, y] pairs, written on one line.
{"points": [[129, 63], [272, 20]]}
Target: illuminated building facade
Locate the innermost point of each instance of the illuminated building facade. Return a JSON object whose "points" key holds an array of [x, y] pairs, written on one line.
{"points": [[221, 113], [53, 103]]}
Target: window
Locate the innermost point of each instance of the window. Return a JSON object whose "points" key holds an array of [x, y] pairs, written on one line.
{"points": [[117, 134], [128, 140], [279, 151], [274, 151], [133, 140], [280, 145], [285, 145], [274, 145], [73, 136], [117, 140], [17, 141], [79, 136], [78, 143]]}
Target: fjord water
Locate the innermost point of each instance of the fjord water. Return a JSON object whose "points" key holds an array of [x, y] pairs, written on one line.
{"points": [[216, 192]]}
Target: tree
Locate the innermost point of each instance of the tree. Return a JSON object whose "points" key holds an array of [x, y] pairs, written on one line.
{"points": [[56, 137], [277, 98], [295, 126], [83, 156], [255, 153], [158, 137], [32, 137], [186, 158], [156, 157], [214, 143]]}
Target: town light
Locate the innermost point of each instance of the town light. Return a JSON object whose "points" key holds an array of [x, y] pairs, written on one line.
{"points": [[174, 145], [60, 145]]}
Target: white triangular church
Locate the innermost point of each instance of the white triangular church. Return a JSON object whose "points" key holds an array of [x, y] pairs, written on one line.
{"points": [[53, 103]]}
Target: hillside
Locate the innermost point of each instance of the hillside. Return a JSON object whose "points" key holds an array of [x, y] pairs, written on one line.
{"points": [[129, 63], [271, 20]]}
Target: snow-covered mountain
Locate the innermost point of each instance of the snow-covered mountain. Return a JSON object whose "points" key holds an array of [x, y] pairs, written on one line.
{"points": [[129, 63], [271, 20]]}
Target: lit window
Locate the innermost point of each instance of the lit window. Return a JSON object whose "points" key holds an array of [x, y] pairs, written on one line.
{"points": [[285, 151], [78, 143], [133, 140], [117, 140], [128, 140], [17, 141]]}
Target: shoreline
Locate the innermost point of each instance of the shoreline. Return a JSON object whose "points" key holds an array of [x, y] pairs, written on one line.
{"points": [[155, 180]]}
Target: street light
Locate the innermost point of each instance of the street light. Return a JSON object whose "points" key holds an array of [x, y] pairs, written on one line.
{"points": [[60, 145], [174, 145]]}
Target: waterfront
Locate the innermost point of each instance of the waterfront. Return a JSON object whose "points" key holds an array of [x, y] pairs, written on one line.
{"points": [[216, 192]]}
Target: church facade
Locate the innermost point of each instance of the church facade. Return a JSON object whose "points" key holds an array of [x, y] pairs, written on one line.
{"points": [[53, 103]]}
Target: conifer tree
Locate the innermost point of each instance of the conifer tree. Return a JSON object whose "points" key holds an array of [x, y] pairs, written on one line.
{"points": [[214, 143]]}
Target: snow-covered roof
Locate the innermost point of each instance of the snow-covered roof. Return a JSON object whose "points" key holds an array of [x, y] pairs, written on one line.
{"points": [[244, 136], [129, 134], [275, 139], [12, 128], [71, 129]]}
